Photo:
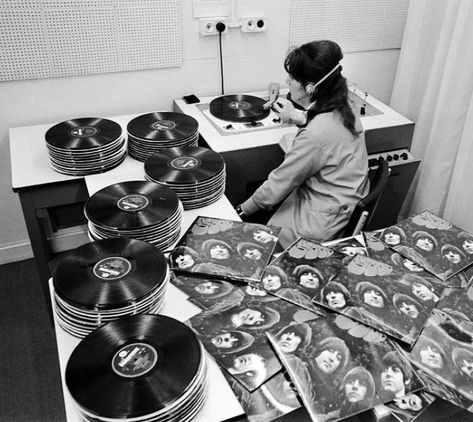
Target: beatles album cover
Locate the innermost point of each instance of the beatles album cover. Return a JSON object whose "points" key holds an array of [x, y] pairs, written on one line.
{"points": [[374, 293], [458, 303], [431, 242], [345, 369], [225, 248], [349, 246], [298, 273], [444, 354], [411, 406], [272, 400], [236, 336]]}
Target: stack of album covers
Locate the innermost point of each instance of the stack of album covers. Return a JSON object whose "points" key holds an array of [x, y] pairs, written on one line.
{"points": [[443, 355], [154, 132], [431, 242], [196, 174], [234, 332], [225, 248], [346, 368], [140, 210], [300, 272], [139, 368], [85, 146], [101, 281]]}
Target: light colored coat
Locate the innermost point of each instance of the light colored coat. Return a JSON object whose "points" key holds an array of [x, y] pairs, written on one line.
{"points": [[323, 175]]}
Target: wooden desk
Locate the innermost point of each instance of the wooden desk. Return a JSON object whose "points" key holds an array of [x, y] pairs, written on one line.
{"points": [[40, 189]]}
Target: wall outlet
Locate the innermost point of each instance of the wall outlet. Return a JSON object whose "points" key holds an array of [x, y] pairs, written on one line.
{"points": [[208, 26], [253, 23]]}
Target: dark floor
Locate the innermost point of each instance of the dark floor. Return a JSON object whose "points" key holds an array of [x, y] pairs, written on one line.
{"points": [[30, 384]]}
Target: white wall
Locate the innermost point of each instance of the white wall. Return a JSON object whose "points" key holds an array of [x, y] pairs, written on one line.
{"points": [[251, 61]]}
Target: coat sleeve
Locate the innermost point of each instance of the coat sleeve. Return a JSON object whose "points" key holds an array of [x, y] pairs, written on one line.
{"points": [[305, 159]]}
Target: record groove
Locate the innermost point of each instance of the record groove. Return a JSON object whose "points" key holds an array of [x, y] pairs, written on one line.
{"points": [[238, 108]]}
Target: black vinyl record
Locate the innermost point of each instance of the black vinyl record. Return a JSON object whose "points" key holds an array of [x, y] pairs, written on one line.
{"points": [[188, 164], [163, 126], [239, 108], [134, 366], [131, 205], [83, 133], [109, 272]]}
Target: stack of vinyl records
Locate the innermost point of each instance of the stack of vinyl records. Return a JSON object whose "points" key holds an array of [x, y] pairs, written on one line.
{"points": [[104, 280], [139, 368], [138, 209], [85, 146], [196, 174], [154, 132]]}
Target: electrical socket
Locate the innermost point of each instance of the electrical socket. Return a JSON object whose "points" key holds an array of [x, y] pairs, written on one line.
{"points": [[208, 26], [253, 23]]}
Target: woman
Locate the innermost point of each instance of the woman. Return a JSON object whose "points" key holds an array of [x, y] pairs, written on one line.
{"points": [[325, 169]]}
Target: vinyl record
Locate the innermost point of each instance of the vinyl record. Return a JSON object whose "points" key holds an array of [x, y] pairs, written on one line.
{"points": [[162, 126], [184, 165], [83, 133], [109, 272], [131, 205], [238, 108], [134, 366]]}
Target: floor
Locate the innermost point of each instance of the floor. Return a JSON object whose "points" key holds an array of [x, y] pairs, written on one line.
{"points": [[30, 385]]}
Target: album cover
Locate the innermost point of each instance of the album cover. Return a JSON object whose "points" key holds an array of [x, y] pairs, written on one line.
{"points": [[431, 242], [351, 368], [411, 406], [458, 303], [444, 354], [297, 274], [225, 248], [272, 400], [349, 246], [236, 335], [374, 293]]}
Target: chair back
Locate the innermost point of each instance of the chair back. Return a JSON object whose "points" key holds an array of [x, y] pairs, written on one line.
{"points": [[366, 207]]}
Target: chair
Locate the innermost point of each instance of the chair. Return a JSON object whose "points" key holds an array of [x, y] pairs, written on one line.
{"points": [[365, 208]]}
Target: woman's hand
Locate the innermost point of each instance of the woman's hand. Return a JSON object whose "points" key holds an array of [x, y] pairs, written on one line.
{"points": [[288, 113]]}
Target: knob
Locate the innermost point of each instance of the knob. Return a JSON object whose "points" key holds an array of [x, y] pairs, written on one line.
{"points": [[404, 156], [372, 162], [277, 120], [229, 127], [396, 156], [389, 157]]}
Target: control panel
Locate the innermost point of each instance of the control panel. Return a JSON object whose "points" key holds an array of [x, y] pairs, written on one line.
{"points": [[396, 156]]}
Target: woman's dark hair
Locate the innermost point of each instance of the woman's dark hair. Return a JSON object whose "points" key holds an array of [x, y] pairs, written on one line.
{"points": [[310, 63]]}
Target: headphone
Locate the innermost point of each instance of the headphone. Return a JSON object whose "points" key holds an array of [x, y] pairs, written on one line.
{"points": [[310, 86]]}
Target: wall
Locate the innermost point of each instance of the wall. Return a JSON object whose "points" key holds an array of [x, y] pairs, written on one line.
{"points": [[251, 61]]}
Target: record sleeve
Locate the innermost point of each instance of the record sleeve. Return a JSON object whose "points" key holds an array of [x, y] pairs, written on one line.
{"points": [[344, 369], [232, 327], [432, 242], [223, 248]]}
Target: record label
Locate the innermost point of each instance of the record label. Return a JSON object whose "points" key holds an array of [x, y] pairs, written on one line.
{"points": [[134, 360], [112, 268], [240, 105], [133, 202], [163, 125], [184, 163], [84, 131]]}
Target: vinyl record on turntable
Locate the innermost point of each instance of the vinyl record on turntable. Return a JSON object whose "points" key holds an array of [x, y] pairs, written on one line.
{"points": [[141, 367], [110, 272], [239, 108]]}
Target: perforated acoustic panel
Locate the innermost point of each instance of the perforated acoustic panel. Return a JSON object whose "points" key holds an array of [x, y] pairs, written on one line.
{"points": [[54, 38], [356, 25]]}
